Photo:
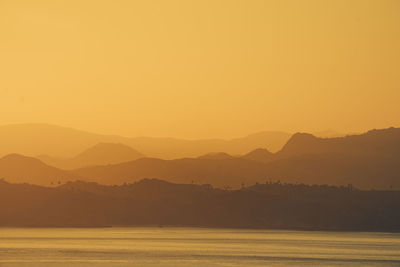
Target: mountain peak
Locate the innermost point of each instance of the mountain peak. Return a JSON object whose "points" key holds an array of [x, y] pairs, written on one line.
{"points": [[299, 143], [303, 136], [259, 154], [107, 153], [17, 168], [300, 140], [18, 158]]}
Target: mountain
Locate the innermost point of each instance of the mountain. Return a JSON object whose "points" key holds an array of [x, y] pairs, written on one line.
{"points": [[366, 172], [220, 172], [107, 153], [271, 140], [62, 142], [385, 142], [172, 148], [100, 154], [260, 155], [370, 160], [44, 139], [21, 169]]}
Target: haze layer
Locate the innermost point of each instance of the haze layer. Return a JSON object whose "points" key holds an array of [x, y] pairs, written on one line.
{"points": [[200, 69]]}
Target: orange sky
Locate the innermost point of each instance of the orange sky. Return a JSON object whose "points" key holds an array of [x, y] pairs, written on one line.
{"points": [[204, 68]]}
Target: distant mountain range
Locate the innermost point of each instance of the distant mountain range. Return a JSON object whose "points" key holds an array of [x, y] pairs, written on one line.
{"points": [[369, 160], [62, 142], [100, 154]]}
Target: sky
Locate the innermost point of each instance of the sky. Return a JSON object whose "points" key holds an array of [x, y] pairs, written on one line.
{"points": [[200, 69]]}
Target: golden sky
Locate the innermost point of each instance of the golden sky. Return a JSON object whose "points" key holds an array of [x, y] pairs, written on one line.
{"points": [[198, 69]]}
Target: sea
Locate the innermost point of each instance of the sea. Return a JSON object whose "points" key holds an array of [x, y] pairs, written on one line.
{"points": [[175, 246]]}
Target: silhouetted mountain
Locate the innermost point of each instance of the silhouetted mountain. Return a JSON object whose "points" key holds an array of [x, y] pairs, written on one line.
{"points": [[366, 172], [107, 153], [221, 172], [260, 154], [271, 140], [20, 169], [61, 142], [172, 148], [371, 160], [155, 202], [375, 142], [100, 154], [44, 139]]}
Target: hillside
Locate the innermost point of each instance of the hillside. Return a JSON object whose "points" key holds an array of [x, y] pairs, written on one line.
{"points": [[260, 155], [363, 172], [62, 142], [44, 139], [152, 202], [370, 160], [384, 142], [100, 154], [221, 172], [173, 148], [21, 169]]}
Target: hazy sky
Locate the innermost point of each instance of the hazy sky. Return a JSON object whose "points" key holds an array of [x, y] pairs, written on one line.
{"points": [[200, 68]]}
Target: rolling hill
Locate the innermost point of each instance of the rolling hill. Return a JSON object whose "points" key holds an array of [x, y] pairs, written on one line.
{"points": [[100, 154], [385, 142], [62, 142], [260, 155], [370, 160], [152, 202], [21, 169]]}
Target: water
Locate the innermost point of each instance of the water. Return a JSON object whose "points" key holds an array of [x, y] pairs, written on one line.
{"points": [[30, 247]]}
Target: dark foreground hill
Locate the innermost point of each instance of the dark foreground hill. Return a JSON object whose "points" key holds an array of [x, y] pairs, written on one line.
{"points": [[156, 202]]}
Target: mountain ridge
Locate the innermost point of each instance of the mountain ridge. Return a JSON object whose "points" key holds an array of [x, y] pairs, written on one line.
{"points": [[305, 158], [99, 154], [368, 161], [17, 168], [63, 142]]}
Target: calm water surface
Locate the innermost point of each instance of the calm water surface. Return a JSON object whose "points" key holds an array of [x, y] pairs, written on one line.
{"points": [[194, 247]]}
